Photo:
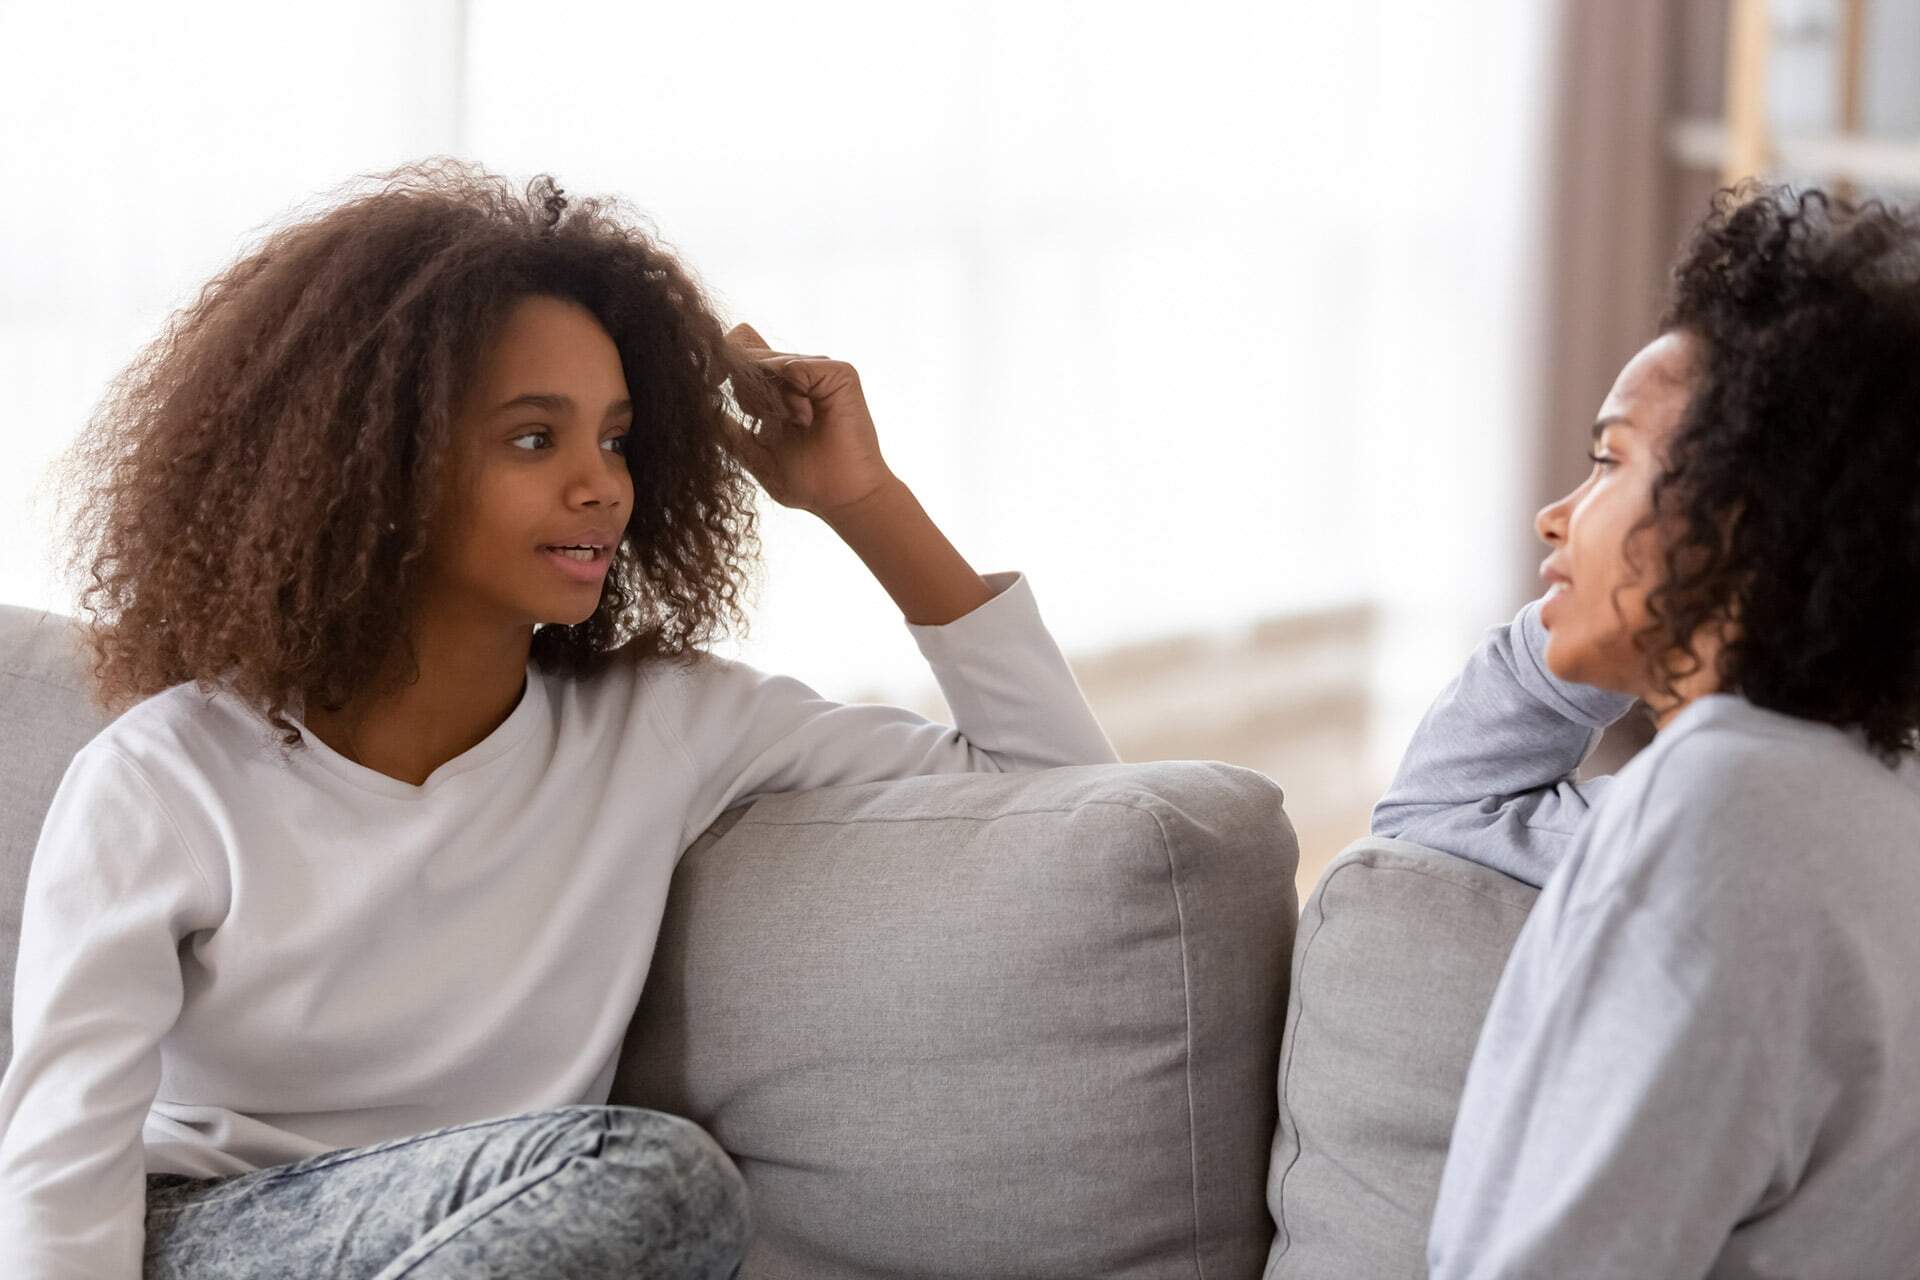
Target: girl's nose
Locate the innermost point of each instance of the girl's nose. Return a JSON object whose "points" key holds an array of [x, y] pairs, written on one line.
{"points": [[593, 491], [595, 485]]}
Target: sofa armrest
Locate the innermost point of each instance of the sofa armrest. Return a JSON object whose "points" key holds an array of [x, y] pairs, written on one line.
{"points": [[1399, 950], [985, 1024]]}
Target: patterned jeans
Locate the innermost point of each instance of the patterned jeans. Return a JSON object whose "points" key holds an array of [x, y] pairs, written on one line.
{"points": [[575, 1193]]}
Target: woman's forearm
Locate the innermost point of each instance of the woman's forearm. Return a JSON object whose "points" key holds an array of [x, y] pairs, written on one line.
{"points": [[1489, 775]]}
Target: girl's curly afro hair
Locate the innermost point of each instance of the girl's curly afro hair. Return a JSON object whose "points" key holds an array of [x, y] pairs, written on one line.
{"points": [[254, 495], [1791, 491]]}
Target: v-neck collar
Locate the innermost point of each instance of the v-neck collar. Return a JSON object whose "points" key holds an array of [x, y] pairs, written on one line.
{"points": [[505, 736]]}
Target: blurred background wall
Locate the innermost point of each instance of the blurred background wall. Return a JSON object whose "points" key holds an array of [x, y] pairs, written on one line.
{"points": [[1253, 333]]}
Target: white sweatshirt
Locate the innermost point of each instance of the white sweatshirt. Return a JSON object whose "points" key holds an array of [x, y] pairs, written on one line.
{"points": [[230, 960]]}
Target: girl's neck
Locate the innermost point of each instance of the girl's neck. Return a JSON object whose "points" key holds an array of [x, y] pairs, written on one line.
{"points": [[470, 679]]}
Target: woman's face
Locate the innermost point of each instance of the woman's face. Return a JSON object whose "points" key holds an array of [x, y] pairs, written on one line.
{"points": [[538, 465], [1605, 555]]}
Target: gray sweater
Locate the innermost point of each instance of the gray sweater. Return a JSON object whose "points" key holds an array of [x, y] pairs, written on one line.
{"points": [[1703, 1058]]}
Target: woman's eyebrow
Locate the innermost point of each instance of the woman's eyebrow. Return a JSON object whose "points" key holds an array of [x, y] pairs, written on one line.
{"points": [[1611, 420], [555, 402]]}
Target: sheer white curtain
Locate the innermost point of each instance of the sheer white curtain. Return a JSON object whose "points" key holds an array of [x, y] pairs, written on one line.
{"points": [[141, 148], [1199, 314]]}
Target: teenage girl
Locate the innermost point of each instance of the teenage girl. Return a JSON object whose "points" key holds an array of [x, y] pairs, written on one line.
{"points": [[402, 544]]}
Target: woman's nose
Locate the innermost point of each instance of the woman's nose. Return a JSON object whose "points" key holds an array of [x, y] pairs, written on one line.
{"points": [[1551, 522]]}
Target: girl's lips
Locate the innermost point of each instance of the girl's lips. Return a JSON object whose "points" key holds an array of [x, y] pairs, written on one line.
{"points": [[579, 570]]}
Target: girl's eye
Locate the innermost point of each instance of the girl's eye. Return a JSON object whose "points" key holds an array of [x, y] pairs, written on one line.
{"points": [[546, 438], [1599, 459]]}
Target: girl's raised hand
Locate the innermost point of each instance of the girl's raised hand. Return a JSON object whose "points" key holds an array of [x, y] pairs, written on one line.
{"points": [[825, 456]]}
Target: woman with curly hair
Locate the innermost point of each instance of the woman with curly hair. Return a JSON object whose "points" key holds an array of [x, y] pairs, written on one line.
{"points": [[402, 544], [1700, 1059]]}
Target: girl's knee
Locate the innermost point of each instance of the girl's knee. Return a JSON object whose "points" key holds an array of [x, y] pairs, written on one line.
{"points": [[685, 1173], [650, 1136]]}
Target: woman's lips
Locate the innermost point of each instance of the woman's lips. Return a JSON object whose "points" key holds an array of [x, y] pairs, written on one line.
{"points": [[1558, 584], [1557, 588]]}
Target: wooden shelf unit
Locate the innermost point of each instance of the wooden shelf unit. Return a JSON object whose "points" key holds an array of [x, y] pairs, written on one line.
{"points": [[1743, 142]]}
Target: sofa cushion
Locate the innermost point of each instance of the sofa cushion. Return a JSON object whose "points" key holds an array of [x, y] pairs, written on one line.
{"points": [[45, 717], [1398, 954], [986, 1025]]}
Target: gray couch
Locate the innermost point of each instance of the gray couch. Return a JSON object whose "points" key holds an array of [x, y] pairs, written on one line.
{"points": [[1398, 953], [975, 1025]]}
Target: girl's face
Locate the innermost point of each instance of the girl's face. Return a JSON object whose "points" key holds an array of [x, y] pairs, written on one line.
{"points": [[1605, 558], [539, 466]]}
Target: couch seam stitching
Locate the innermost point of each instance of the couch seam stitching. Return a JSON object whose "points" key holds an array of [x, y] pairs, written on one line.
{"points": [[1464, 888], [1186, 988], [45, 682], [1296, 1011], [749, 820]]}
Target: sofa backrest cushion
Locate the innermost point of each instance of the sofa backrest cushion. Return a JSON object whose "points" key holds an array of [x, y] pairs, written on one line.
{"points": [[45, 717], [987, 1024], [1399, 950]]}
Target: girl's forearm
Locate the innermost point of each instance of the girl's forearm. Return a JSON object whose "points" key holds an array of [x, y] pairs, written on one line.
{"points": [[927, 577]]}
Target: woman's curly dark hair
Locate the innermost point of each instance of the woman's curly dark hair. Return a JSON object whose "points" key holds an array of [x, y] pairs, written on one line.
{"points": [[253, 497], [1790, 498]]}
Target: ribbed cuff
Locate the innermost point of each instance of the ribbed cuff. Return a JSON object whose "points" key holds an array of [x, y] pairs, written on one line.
{"points": [[1582, 703]]}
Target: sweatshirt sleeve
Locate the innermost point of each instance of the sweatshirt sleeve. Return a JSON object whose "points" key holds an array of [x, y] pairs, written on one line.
{"points": [[1489, 773], [1016, 706], [111, 892]]}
